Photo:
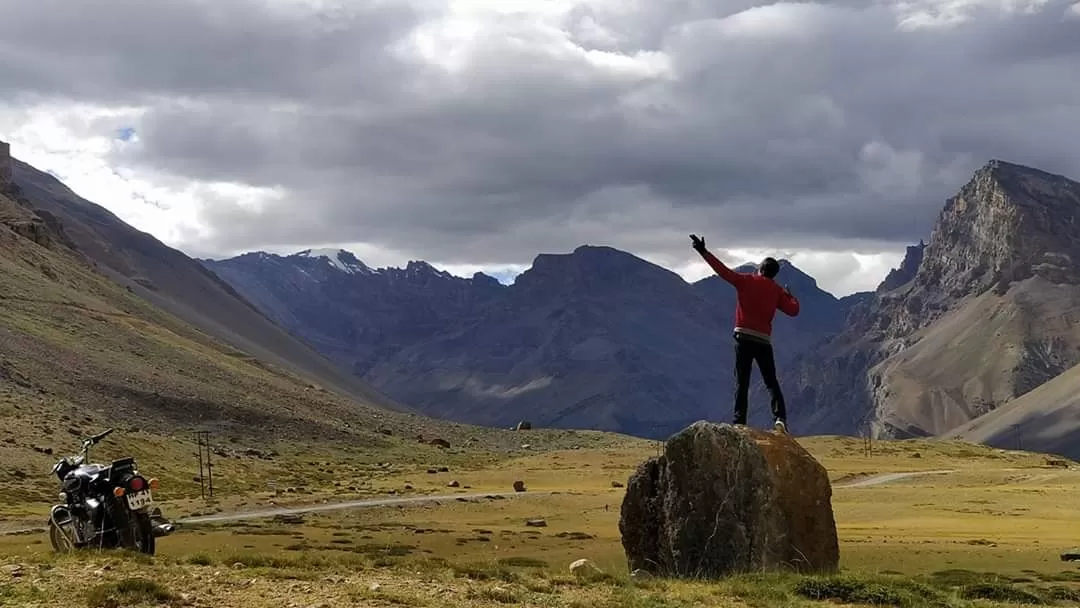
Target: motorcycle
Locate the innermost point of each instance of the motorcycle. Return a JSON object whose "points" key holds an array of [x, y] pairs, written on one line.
{"points": [[104, 507]]}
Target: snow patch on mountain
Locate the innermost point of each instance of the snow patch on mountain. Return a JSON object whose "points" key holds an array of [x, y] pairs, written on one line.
{"points": [[343, 260]]}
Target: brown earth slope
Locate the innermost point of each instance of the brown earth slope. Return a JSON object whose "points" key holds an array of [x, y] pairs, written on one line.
{"points": [[1047, 418], [182, 286], [80, 353]]}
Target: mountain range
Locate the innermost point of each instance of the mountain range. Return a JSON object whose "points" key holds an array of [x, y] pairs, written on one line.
{"points": [[975, 316], [595, 338], [973, 336]]}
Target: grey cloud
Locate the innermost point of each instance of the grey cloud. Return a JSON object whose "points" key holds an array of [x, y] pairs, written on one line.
{"points": [[819, 125]]}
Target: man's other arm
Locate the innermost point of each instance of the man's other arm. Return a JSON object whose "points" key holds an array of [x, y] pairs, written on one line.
{"points": [[789, 304]]}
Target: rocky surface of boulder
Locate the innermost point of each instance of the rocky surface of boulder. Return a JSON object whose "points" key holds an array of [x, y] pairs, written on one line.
{"points": [[724, 499]]}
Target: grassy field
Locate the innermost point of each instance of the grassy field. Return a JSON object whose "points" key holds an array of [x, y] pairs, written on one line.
{"points": [[993, 527]]}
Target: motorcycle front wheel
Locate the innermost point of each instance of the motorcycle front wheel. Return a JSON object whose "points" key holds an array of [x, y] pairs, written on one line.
{"points": [[60, 540]]}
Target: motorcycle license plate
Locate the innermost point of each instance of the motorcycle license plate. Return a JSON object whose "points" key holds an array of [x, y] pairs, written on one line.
{"points": [[139, 500]]}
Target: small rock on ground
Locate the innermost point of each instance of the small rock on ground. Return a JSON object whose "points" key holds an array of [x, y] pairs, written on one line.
{"points": [[585, 568]]}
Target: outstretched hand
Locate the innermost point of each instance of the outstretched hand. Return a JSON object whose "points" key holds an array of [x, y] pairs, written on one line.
{"points": [[698, 242]]}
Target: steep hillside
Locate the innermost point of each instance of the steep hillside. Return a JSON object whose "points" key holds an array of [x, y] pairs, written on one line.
{"points": [[80, 353], [176, 283], [985, 312], [355, 315], [1046, 418]]}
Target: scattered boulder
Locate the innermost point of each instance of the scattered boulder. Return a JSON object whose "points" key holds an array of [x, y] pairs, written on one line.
{"points": [[444, 469], [1058, 463], [916, 455], [536, 523], [14, 570], [616, 484], [439, 442], [584, 568], [519, 486], [453, 484], [524, 425], [640, 575], [432, 471], [723, 500], [1071, 556]]}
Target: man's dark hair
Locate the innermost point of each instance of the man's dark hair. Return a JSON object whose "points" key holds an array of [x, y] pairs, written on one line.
{"points": [[769, 267]]}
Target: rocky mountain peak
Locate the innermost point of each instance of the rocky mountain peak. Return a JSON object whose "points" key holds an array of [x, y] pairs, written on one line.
{"points": [[417, 269], [1008, 223], [594, 266]]}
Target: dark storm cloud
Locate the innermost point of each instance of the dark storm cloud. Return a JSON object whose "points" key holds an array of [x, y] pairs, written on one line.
{"points": [[817, 125]]}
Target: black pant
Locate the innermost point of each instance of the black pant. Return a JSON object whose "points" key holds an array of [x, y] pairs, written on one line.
{"points": [[748, 350]]}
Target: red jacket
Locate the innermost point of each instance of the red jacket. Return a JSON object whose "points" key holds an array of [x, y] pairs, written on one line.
{"points": [[759, 297]]}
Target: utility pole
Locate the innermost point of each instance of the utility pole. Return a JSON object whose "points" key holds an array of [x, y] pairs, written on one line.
{"points": [[202, 477], [206, 476]]}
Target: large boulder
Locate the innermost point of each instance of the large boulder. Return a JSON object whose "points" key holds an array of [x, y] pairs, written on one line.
{"points": [[724, 499]]}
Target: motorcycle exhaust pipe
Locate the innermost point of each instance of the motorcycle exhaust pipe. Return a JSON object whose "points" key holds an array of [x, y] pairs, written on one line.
{"points": [[164, 529]]}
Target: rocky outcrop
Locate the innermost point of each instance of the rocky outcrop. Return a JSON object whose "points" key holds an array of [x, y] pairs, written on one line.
{"points": [[6, 169], [976, 316], [723, 500], [897, 277], [21, 220]]}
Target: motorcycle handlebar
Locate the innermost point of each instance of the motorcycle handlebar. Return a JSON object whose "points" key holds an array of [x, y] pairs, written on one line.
{"points": [[100, 436]]}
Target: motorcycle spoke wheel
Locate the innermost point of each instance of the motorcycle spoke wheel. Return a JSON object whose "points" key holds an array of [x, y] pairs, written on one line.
{"points": [[60, 540]]}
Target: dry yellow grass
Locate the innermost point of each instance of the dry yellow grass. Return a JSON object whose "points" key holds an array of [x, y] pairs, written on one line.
{"points": [[1003, 513]]}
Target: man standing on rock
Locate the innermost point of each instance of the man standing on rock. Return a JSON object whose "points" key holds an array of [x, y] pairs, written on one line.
{"points": [[759, 296]]}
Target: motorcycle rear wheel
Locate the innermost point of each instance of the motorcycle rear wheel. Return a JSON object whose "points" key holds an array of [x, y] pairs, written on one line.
{"points": [[141, 533]]}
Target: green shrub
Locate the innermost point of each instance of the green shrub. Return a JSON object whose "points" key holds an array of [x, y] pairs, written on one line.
{"points": [[1001, 592]]}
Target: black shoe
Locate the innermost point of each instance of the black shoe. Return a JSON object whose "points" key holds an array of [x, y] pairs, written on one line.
{"points": [[780, 426]]}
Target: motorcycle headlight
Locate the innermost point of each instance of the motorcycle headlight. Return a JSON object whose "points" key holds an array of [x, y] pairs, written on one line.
{"points": [[62, 496]]}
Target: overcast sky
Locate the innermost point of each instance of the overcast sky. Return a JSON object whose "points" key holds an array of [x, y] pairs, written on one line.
{"points": [[477, 134]]}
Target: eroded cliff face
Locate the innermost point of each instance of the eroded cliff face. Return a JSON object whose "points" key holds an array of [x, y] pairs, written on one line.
{"points": [[989, 299]]}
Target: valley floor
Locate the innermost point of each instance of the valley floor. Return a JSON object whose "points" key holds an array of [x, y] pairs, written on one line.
{"points": [[984, 523]]}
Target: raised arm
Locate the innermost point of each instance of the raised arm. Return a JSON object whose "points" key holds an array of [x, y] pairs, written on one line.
{"points": [[789, 304], [714, 262]]}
